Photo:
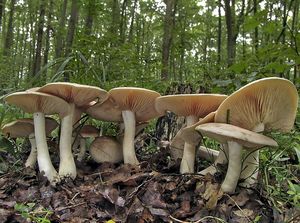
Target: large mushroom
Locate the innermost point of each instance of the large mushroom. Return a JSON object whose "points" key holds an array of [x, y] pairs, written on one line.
{"points": [[236, 138], [129, 105], [76, 95], [193, 107], [40, 104], [263, 105], [25, 128]]}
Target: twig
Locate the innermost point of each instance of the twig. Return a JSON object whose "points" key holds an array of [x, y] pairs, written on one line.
{"points": [[70, 206], [200, 220], [238, 207]]}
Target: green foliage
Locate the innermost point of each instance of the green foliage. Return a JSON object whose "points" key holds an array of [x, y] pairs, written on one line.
{"points": [[32, 213]]}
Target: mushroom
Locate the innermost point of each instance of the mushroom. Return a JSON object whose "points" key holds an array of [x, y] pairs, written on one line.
{"points": [[129, 105], [25, 128], [193, 107], [40, 104], [87, 131], [76, 95], [263, 105], [236, 138], [106, 149]]}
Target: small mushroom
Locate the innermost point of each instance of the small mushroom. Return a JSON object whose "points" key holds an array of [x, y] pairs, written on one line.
{"points": [[25, 128], [76, 95], [106, 149], [40, 104], [236, 138], [193, 107]]}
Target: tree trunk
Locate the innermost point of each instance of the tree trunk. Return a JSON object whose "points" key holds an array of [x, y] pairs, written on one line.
{"points": [[123, 22], [255, 40], [91, 12], [132, 16], [167, 37], [9, 35], [219, 34], [60, 31], [38, 52], [2, 7], [230, 25], [71, 33], [48, 30]]}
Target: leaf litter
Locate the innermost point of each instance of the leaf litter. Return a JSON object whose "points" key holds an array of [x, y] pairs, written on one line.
{"points": [[150, 192]]}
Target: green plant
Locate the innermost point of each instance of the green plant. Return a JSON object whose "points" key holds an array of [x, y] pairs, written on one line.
{"points": [[32, 214]]}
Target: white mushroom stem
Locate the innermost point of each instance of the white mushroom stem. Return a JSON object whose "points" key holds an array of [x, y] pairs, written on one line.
{"points": [[222, 158], [128, 140], [188, 158], [43, 157], [67, 167], [82, 150], [234, 167], [32, 158], [251, 163]]}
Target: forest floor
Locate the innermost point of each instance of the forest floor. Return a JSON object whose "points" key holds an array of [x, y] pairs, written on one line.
{"points": [[150, 192]]}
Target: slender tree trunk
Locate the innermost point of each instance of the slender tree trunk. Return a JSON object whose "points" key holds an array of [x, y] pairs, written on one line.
{"points": [[255, 40], [2, 7], [219, 34], [167, 37], [9, 35], [123, 22], [59, 45], [132, 16], [71, 33], [295, 29], [38, 52], [48, 30], [91, 12], [230, 25], [115, 21]]}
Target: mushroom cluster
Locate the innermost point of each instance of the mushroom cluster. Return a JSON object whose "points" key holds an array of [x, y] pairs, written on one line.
{"points": [[236, 121]]}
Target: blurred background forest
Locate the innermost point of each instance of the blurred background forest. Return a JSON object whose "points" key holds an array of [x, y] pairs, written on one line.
{"points": [[217, 44]]}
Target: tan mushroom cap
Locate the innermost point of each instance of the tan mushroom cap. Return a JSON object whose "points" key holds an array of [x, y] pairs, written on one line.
{"points": [[78, 94], [225, 132], [270, 101], [89, 131], [19, 128], [106, 149], [32, 102], [25, 126], [189, 134], [106, 111], [138, 100], [189, 104]]}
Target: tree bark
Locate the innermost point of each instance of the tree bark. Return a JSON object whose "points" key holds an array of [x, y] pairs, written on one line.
{"points": [[48, 30], [123, 22], [219, 34], [9, 35], [167, 37], [60, 31], [91, 12], [255, 40], [230, 25], [71, 32], [38, 52], [2, 7], [132, 16]]}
